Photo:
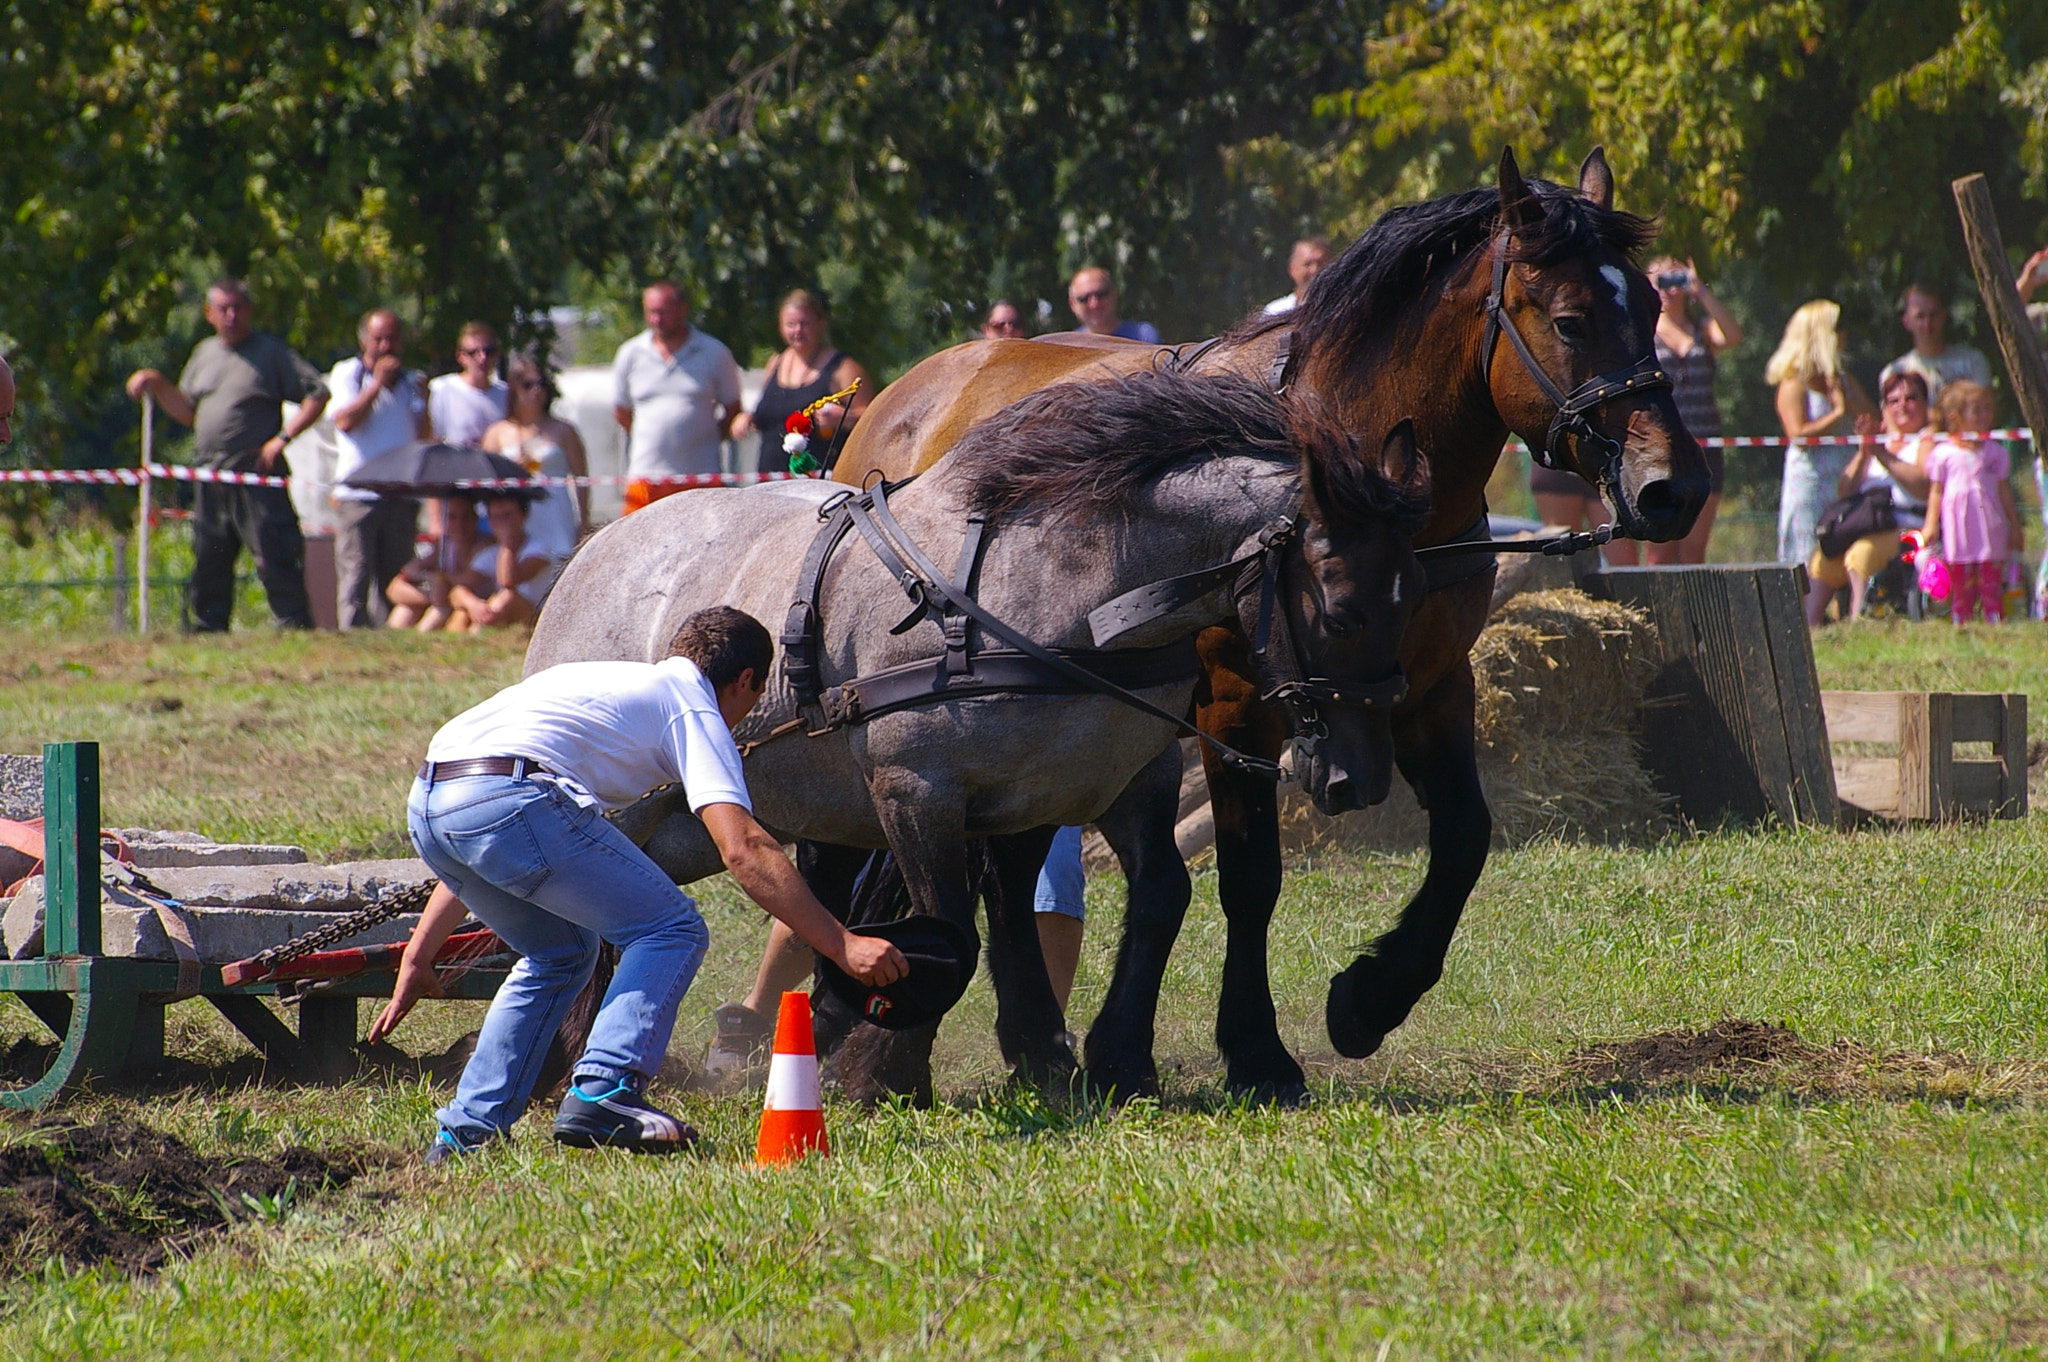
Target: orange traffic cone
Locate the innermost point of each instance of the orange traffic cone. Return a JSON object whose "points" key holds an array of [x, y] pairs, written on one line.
{"points": [[792, 1121]]}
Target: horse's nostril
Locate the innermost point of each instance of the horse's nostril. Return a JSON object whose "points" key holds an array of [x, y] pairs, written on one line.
{"points": [[1656, 500]]}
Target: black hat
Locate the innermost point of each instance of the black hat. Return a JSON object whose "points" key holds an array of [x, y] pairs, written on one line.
{"points": [[941, 957]]}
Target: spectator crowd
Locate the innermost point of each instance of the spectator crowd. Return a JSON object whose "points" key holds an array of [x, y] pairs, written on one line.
{"points": [[1919, 500]]}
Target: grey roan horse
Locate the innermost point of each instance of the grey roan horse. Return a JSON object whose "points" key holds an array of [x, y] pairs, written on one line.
{"points": [[1088, 493]]}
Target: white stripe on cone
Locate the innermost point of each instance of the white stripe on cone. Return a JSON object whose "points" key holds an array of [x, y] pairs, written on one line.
{"points": [[792, 1084]]}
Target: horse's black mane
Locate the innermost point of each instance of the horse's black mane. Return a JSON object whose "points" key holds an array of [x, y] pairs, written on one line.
{"points": [[1076, 448], [1381, 272]]}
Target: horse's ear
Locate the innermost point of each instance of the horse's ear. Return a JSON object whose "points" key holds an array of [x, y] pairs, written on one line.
{"points": [[1596, 181], [1401, 459], [1518, 206]]}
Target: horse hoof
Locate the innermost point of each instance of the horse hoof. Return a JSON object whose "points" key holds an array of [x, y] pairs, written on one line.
{"points": [[1350, 1033], [1270, 1078], [874, 1066], [1122, 1083], [1275, 1094]]}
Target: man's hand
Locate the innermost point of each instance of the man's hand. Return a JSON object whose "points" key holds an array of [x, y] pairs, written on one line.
{"points": [[386, 370], [873, 961], [273, 450], [756, 860], [141, 382]]}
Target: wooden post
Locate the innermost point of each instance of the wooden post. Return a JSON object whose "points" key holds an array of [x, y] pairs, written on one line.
{"points": [[2024, 363], [71, 848], [142, 520]]}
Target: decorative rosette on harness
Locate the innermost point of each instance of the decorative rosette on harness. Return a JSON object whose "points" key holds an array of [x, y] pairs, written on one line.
{"points": [[801, 425]]}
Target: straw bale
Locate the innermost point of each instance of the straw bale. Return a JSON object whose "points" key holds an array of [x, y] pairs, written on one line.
{"points": [[1560, 681]]}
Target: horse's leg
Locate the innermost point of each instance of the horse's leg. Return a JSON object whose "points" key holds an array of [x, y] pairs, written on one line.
{"points": [[1246, 808], [1433, 745], [1139, 829], [831, 871], [1030, 1026], [925, 831]]}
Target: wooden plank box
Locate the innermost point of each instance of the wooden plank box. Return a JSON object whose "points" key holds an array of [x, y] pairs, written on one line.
{"points": [[1926, 779]]}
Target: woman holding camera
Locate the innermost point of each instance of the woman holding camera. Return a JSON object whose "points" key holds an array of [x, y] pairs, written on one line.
{"points": [[1686, 346]]}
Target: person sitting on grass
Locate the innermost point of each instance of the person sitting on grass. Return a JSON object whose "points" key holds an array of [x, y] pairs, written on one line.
{"points": [[420, 594], [1971, 514], [511, 575], [506, 812], [1898, 461]]}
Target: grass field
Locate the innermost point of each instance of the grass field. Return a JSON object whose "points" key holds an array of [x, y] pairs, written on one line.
{"points": [[1505, 1179]]}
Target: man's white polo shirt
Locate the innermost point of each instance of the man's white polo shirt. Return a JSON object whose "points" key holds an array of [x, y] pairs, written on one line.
{"points": [[675, 402], [613, 730]]}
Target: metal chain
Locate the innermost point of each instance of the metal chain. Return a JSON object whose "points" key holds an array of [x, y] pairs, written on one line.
{"points": [[412, 899]]}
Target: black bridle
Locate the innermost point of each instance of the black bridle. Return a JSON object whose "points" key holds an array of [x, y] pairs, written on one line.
{"points": [[1294, 686], [1643, 375], [1300, 692]]}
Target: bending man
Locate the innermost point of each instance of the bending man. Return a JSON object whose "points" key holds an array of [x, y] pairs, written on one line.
{"points": [[508, 812]]}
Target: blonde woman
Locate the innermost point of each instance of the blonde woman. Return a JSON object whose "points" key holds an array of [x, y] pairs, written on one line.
{"points": [[1815, 396]]}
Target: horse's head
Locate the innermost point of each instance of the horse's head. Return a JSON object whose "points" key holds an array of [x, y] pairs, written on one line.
{"points": [[1327, 622], [1568, 350]]}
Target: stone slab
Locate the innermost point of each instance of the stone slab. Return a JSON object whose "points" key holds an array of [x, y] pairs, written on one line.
{"points": [[21, 786], [131, 927], [22, 924], [177, 855], [307, 895], [341, 888]]}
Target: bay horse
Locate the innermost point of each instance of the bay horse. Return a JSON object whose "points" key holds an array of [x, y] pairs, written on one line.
{"points": [[1407, 323], [1172, 501]]}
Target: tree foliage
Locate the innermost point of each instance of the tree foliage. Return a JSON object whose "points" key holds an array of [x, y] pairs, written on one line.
{"points": [[461, 158]]}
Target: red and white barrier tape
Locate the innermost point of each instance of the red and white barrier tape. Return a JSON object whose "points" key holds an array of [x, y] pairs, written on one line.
{"points": [[132, 477]]}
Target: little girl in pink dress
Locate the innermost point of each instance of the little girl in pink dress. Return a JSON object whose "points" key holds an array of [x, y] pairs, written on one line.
{"points": [[1970, 503]]}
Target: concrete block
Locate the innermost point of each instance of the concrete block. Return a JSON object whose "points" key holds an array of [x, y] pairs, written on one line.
{"points": [[21, 786], [181, 855], [224, 934], [22, 925], [339, 888], [130, 926]]}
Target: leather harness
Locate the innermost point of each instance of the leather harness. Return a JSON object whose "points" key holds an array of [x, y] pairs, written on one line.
{"points": [[1029, 668]]}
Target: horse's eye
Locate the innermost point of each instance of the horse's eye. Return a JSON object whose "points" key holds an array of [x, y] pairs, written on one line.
{"points": [[1570, 328]]}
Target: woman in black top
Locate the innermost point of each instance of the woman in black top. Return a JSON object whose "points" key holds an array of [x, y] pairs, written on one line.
{"points": [[801, 374]]}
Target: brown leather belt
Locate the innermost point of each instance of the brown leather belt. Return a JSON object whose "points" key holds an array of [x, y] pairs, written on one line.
{"points": [[516, 767]]}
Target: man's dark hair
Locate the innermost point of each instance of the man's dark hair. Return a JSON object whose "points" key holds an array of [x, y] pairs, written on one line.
{"points": [[231, 286], [724, 642]]}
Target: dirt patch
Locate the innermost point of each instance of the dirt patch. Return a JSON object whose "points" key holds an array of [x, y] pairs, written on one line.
{"points": [[1759, 1054], [117, 1192], [1677, 1055]]}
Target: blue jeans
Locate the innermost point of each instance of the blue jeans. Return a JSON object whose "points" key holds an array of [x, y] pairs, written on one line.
{"points": [[551, 877], [1061, 885]]}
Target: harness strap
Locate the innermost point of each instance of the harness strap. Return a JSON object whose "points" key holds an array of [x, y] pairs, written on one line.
{"points": [[1003, 672], [881, 524], [1156, 600], [1283, 356], [954, 625], [800, 628]]}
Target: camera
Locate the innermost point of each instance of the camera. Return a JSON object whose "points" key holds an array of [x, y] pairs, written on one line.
{"points": [[1675, 279]]}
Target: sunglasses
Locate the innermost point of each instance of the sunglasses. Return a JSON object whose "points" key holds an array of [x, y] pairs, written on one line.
{"points": [[1097, 296]]}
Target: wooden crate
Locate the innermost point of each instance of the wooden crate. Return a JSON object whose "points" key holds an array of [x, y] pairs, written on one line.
{"points": [[1731, 725], [1925, 779]]}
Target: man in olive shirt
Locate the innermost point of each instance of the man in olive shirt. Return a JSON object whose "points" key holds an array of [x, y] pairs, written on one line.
{"points": [[230, 394]]}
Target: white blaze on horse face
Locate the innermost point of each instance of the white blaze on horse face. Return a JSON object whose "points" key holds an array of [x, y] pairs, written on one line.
{"points": [[1397, 588], [1618, 281]]}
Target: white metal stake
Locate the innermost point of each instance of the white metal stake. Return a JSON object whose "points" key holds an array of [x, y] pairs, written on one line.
{"points": [[142, 522]]}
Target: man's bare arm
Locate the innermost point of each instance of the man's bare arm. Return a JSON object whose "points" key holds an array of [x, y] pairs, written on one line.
{"points": [[169, 397], [770, 879]]}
